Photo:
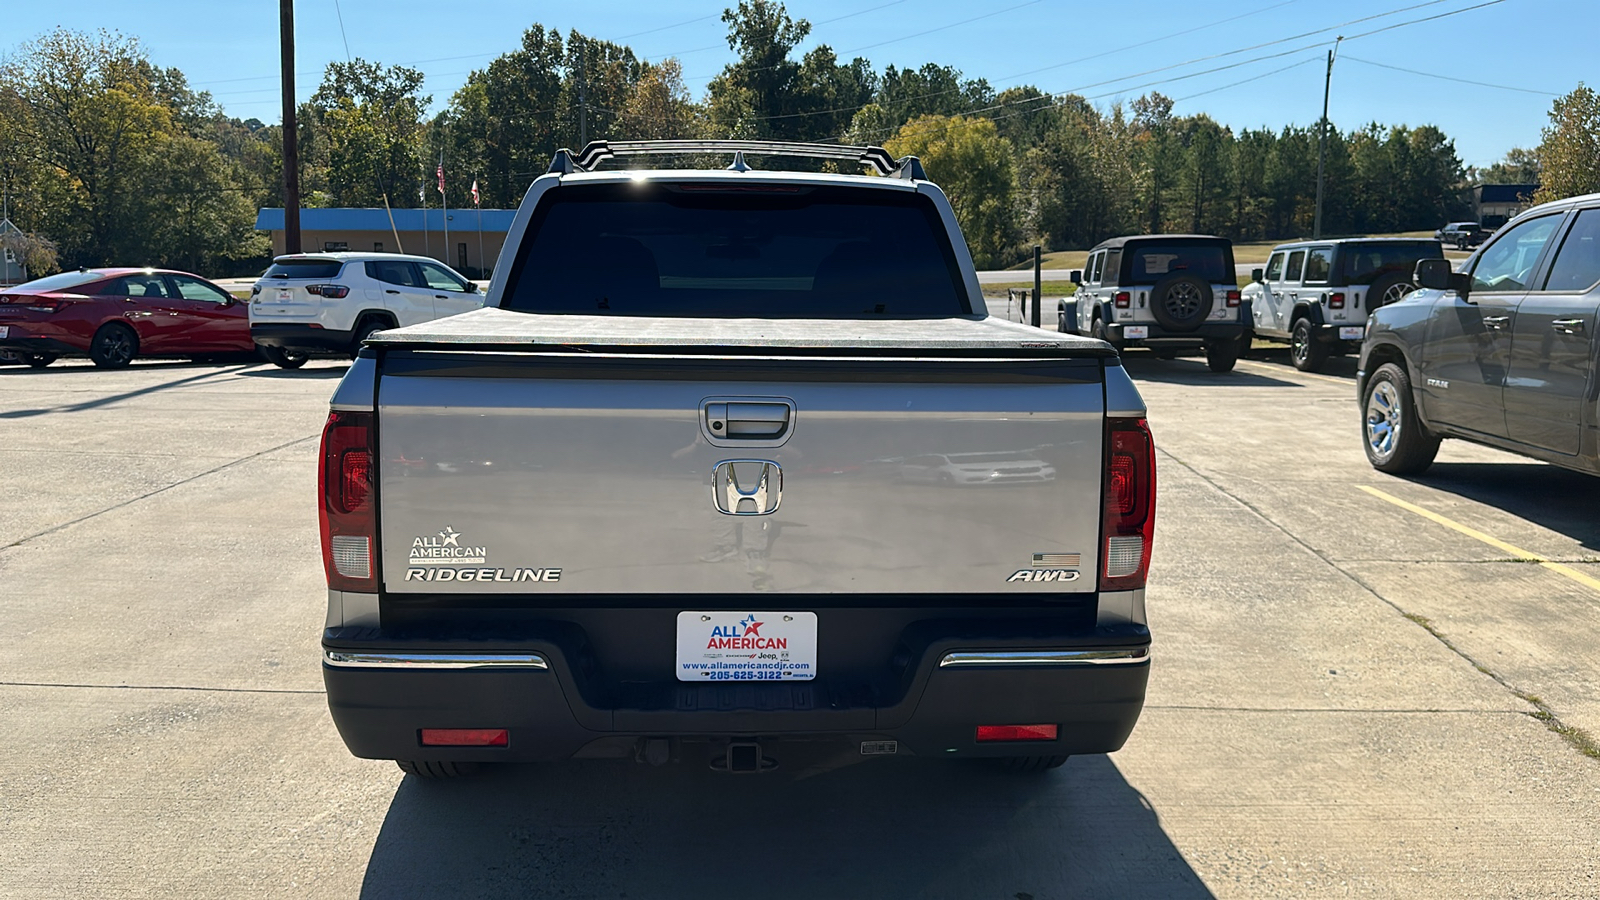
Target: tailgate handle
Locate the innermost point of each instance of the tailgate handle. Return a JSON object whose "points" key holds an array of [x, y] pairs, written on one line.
{"points": [[748, 420]]}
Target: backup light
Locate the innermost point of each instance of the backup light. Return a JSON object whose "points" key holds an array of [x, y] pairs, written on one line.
{"points": [[467, 737], [997, 733]]}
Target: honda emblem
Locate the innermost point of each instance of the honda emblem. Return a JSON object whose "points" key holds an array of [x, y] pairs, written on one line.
{"points": [[747, 487]]}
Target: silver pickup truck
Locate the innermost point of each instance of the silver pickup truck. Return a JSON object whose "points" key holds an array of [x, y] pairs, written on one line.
{"points": [[667, 497]]}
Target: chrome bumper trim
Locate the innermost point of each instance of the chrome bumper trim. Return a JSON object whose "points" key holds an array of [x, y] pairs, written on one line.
{"points": [[433, 661], [1002, 658]]}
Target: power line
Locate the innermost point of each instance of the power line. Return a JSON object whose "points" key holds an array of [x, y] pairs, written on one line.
{"points": [[988, 15], [1307, 60], [1503, 87], [1392, 27], [1136, 46], [342, 36]]}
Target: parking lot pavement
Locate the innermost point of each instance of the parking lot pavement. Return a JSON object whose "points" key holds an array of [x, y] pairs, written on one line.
{"points": [[1348, 696]]}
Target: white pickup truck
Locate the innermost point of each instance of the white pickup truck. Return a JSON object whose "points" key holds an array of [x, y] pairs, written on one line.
{"points": [[656, 500]]}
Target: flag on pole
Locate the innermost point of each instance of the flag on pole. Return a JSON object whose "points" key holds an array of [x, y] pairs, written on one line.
{"points": [[475, 192], [441, 177]]}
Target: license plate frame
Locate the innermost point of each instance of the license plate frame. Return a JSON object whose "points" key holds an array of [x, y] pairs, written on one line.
{"points": [[285, 295], [1135, 332], [1351, 332], [5, 331], [745, 645]]}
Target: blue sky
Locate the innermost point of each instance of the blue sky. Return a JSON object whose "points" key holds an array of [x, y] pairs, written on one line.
{"points": [[230, 48]]}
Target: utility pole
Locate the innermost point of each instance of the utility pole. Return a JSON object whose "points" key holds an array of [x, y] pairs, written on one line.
{"points": [[583, 97], [1322, 141], [291, 133]]}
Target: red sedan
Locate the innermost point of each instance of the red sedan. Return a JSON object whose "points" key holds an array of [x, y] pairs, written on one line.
{"points": [[115, 315]]}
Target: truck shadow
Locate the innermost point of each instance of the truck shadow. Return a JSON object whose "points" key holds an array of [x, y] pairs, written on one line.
{"points": [[896, 828], [1558, 499]]}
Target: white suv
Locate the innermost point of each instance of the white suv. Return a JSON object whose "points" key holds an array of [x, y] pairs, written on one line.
{"points": [[329, 303]]}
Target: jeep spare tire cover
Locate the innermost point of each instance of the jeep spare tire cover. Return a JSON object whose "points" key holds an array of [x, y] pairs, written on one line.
{"points": [[1181, 302]]}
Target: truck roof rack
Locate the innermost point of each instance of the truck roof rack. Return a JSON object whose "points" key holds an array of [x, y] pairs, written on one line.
{"points": [[907, 167]]}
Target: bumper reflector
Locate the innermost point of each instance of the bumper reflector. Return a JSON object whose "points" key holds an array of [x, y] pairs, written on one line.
{"points": [[467, 737], [988, 733]]}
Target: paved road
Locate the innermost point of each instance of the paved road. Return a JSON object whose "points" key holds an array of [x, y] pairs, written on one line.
{"points": [[1348, 697]]}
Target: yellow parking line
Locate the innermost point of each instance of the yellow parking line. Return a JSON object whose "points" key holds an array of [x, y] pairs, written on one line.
{"points": [[1518, 552]]}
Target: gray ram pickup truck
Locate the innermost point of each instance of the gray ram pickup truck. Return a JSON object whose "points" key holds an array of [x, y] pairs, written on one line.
{"points": [[662, 498]]}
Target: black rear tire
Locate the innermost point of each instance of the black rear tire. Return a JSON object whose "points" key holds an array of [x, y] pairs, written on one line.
{"points": [[113, 346], [365, 330], [435, 770], [1222, 355], [1181, 303], [1305, 351], [1394, 438], [1031, 763], [283, 359]]}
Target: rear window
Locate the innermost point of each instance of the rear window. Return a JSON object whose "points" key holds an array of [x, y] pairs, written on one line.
{"points": [[61, 281], [304, 268], [1209, 261], [692, 250], [1366, 263]]}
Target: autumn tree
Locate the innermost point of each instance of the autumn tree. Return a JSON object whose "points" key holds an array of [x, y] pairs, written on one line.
{"points": [[974, 166], [1569, 155]]}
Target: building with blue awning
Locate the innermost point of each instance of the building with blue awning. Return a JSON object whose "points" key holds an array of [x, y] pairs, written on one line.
{"points": [[475, 236]]}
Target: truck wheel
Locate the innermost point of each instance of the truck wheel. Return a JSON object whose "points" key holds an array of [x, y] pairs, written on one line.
{"points": [[40, 360], [283, 359], [1393, 436], [434, 770], [114, 346], [1221, 355], [1305, 351], [1031, 763], [1098, 331]]}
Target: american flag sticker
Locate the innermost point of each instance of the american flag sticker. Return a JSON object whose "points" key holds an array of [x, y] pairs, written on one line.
{"points": [[1057, 560]]}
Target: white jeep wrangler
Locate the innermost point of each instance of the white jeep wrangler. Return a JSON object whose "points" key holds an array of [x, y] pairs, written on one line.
{"points": [[1171, 293]]}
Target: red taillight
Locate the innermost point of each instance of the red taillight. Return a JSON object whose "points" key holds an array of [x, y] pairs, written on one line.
{"points": [[331, 291], [34, 304], [1016, 733], [348, 520], [1123, 299], [464, 737], [1233, 298], [1130, 505], [1336, 301]]}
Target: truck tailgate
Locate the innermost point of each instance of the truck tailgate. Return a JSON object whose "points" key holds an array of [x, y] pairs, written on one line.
{"points": [[530, 473]]}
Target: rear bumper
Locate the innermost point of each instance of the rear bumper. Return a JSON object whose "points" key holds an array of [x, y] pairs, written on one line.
{"points": [[306, 338], [1160, 337], [381, 693], [39, 345]]}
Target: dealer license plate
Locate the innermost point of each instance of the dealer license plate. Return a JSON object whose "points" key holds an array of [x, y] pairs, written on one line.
{"points": [[747, 646], [1135, 331], [1353, 333], [285, 295], [5, 331]]}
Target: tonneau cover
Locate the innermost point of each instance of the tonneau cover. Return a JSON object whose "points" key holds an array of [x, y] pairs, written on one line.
{"points": [[502, 328]]}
